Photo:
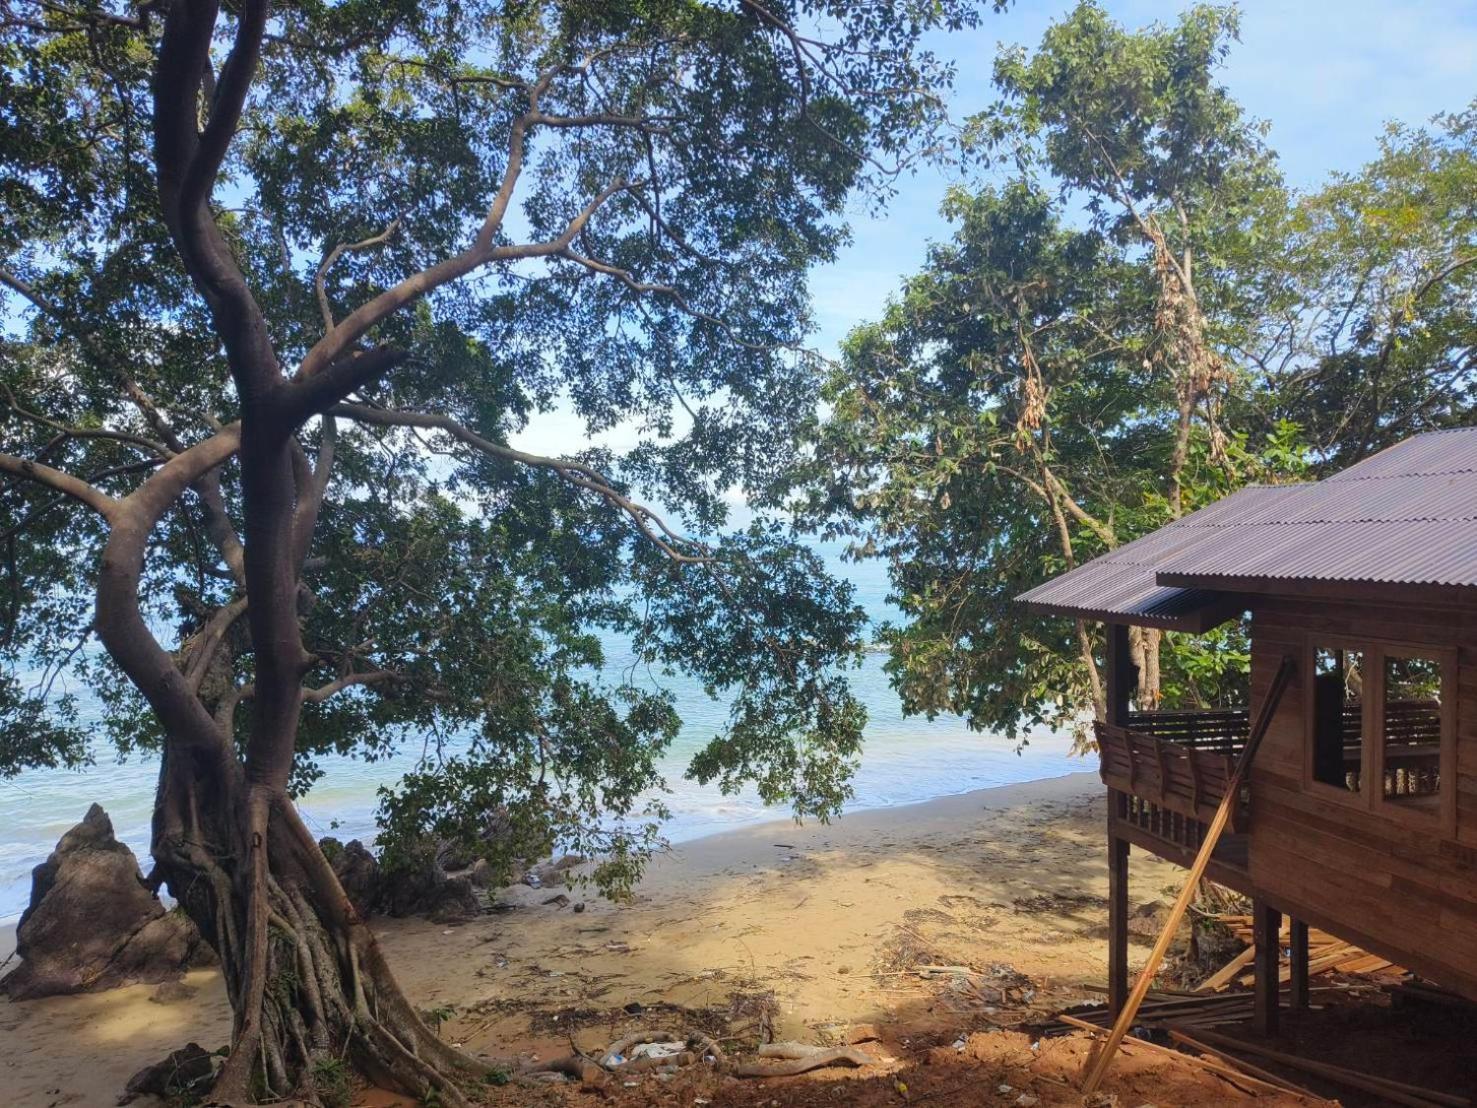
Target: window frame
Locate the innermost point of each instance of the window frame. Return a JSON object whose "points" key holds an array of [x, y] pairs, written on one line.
{"points": [[1376, 651]]}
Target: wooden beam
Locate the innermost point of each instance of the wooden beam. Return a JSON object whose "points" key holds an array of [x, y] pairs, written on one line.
{"points": [[1298, 957], [1267, 932], [1117, 918], [1396, 1091], [1099, 1065], [1122, 675]]}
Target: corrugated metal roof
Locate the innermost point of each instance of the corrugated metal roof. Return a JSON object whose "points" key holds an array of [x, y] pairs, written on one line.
{"points": [[1407, 515]]}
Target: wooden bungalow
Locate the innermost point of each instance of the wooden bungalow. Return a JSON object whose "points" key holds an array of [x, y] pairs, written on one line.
{"points": [[1359, 815]]}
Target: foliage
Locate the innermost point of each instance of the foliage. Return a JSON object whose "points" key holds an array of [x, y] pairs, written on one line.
{"points": [[416, 228], [1133, 318], [1376, 341]]}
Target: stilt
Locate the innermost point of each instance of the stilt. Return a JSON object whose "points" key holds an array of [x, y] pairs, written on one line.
{"points": [[1122, 676], [1267, 932], [1117, 916], [1298, 955]]}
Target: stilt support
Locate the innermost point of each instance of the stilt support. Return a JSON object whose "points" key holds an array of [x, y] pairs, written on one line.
{"points": [[1298, 932], [1267, 931], [1117, 918]]}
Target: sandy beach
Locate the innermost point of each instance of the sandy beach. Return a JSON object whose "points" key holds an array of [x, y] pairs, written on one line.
{"points": [[803, 927]]}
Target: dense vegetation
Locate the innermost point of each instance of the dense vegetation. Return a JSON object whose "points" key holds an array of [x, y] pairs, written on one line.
{"points": [[1134, 315]]}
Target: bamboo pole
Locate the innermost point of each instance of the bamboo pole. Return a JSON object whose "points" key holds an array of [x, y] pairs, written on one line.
{"points": [[1104, 1057]]}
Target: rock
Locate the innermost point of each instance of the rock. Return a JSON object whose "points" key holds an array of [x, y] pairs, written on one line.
{"points": [[358, 872], [863, 1033], [1148, 919], [186, 1072], [172, 992], [93, 924], [454, 857], [481, 874], [455, 902], [420, 887]]}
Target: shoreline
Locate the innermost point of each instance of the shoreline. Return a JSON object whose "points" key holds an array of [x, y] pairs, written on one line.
{"points": [[9, 921], [8, 925], [816, 924]]}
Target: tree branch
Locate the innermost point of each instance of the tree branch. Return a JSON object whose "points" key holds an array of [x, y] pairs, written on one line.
{"points": [[65, 483], [651, 526]]}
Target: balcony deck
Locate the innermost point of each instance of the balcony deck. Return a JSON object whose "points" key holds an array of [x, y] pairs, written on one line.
{"points": [[1168, 771], [1177, 762]]}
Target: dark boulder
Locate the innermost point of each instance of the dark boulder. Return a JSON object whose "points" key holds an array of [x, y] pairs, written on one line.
{"points": [[358, 872], [419, 886], [182, 1076], [93, 923]]}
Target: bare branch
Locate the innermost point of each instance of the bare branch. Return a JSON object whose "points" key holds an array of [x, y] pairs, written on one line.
{"points": [[66, 483], [328, 355]]}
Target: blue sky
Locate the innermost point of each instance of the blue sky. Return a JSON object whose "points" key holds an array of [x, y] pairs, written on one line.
{"points": [[1326, 74]]}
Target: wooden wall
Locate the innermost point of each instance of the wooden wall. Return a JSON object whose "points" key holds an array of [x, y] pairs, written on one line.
{"points": [[1397, 884]]}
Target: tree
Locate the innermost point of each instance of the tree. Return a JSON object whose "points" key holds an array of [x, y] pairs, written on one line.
{"points": [[282, 282], [1376, 335], [1053, 384]]}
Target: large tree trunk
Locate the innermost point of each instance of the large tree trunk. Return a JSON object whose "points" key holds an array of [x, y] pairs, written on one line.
{"points": [[317, 988]]}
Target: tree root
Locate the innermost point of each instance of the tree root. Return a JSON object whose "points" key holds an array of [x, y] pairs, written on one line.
{"points": [[812, 1058]]}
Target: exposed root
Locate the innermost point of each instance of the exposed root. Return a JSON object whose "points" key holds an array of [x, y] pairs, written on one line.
{"points": [[819, 1059]]}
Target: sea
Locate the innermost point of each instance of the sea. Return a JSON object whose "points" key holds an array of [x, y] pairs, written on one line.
{"points": [[906, 759]]}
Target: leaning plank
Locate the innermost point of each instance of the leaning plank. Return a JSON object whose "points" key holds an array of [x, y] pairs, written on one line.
{"points": [[1396, 1091], [1242, 1063], [1240, 1076], [1099, 1066]]}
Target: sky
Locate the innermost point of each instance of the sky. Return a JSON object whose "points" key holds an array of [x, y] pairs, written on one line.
{"points": [[1327, 75]]}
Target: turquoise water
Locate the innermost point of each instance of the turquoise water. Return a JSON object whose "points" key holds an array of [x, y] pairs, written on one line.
{"points": [[905, 760]]}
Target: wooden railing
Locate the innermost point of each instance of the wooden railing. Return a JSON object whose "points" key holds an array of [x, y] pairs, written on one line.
{"points": [[1412, 739], [1173, 765]]}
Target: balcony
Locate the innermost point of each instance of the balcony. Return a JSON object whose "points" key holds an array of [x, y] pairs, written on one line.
{"points": [[1180, 762], [1168, 772]]}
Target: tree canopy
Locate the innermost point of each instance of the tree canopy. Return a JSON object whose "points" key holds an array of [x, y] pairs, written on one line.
{"points": [[1134, 316]]}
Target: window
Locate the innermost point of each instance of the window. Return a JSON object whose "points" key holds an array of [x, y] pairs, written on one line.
{"points": [[1381, 721], [1338, 712], [1410, 730]]}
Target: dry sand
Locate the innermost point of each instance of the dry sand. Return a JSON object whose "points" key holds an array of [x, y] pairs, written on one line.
{"points": [[803, 927]]}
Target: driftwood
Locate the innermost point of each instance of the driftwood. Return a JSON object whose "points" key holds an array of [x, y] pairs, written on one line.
{"points": [[584, 1070], [793, 1058], [820, 1059]]}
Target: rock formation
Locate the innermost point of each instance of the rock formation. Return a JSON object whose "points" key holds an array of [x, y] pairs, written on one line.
{"points": [[93, 923]]}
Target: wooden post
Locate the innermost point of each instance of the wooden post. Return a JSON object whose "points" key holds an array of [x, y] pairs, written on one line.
{"points": [[1122, 675], [1117, 913], [1298, 955], [1122, 679], [1267, 934]]}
